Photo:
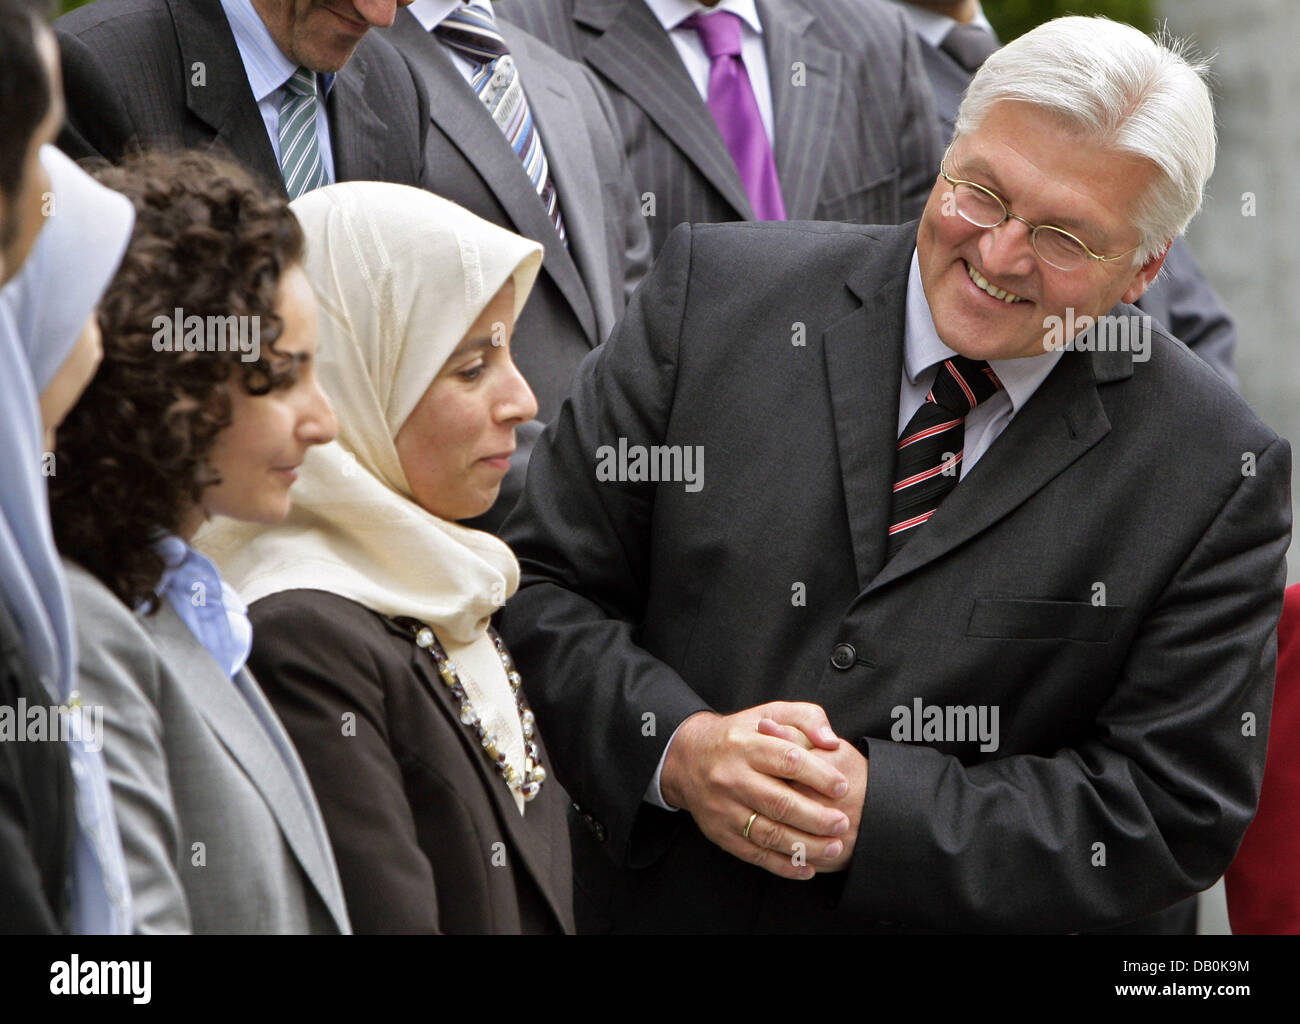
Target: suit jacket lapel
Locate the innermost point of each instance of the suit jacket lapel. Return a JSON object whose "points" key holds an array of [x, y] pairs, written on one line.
{"points": [[801, 113], [635, 53], [242, 724], [224, 100], [1061, 422], [358, 135], [461, 116], [573, 164], [531, 846], [863, 354]]}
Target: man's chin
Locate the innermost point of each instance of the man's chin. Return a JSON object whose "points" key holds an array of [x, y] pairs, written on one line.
{"points": [[327, 50]]}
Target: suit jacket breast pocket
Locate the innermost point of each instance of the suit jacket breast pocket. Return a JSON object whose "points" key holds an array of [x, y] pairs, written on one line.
{"points": [[876, 202], [1009, 619]]}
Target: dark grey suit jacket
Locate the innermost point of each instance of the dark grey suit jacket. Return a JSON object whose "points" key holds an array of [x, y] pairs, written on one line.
{"points": [[1121, 720], [37, 804], [582, 289], [1181, 298], [853, 117], [167, 73]]}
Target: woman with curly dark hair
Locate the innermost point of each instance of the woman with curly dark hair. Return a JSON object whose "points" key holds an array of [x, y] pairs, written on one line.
{"points": [[205, 404]]}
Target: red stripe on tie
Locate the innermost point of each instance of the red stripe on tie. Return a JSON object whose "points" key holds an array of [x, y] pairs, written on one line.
{"points": [[917, 478], [907, 524], [993, 377], [920, 435], [970, 395]]}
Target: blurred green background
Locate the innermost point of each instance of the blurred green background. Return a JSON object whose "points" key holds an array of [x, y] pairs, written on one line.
{"points": [[1010, 17]]}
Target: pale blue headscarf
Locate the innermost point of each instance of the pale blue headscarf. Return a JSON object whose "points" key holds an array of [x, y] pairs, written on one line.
{"points": [[42, 312]]}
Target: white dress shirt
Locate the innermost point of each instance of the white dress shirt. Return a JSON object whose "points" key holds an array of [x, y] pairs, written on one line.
{"points": [[671, 13], [268, 70]]}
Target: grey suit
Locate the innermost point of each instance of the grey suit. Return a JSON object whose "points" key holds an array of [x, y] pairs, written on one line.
{"points": [[582, 289], [221, 829], [853, 116], [1181, 298]]}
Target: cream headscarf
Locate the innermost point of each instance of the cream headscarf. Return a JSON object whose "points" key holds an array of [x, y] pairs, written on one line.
{"points": [[400, 275]]}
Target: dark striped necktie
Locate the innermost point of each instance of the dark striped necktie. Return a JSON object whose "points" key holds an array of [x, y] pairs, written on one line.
{"points": [[930, 449], [471, 30]]}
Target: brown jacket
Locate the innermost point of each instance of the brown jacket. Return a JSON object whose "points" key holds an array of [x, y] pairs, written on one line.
{"points": [[425, 832]]}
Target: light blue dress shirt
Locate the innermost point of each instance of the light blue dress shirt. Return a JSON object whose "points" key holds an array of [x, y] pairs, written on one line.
{"points": [[206, 603], [268, 69]]}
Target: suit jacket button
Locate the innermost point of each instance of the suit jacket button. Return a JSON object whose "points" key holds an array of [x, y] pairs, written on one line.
{"points": [[600, 831], [843, 657]]}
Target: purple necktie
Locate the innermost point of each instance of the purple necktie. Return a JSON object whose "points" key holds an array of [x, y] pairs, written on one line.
{"points": [[732, 104]]}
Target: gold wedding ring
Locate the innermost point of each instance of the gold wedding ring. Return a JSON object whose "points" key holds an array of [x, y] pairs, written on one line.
{"points": [[750, 823]]}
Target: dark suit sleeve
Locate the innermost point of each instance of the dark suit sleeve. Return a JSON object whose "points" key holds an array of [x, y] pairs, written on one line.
{"points": [[1149, 804], [98, 123], [920, 145], [319, 667], [22, 882], [1183, 301], [584, 548], [22, 890]]}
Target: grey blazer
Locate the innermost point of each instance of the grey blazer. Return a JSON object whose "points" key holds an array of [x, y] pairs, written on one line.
{"points": [[221, 829], [855, 135]]}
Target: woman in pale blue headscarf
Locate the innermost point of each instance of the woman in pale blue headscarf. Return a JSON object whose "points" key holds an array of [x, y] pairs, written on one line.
{"points": [[48, 351]]}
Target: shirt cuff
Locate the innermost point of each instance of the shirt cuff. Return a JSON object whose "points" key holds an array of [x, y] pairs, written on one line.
{"points": [[653, 794]]}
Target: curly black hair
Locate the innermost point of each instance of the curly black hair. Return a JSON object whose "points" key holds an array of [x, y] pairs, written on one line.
{"points": [[131, 457]]}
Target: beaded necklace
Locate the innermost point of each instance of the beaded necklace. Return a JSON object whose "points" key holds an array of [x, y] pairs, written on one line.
{"points": [[534, 773]]}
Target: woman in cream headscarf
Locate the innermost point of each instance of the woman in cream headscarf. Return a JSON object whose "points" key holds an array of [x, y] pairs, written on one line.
{"points": [[371, 605]]}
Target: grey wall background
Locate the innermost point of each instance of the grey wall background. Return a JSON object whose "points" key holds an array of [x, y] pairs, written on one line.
{"points": [[1254, 262]]}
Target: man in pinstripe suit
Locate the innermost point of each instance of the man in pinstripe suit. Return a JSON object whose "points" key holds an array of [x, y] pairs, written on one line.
{"points": [[845, 104]]}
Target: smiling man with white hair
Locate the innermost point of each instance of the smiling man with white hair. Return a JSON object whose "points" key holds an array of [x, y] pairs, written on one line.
{"points": [[914, 494]]}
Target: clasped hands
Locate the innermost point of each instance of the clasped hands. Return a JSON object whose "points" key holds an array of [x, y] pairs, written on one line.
{"points": [[783, 761]]}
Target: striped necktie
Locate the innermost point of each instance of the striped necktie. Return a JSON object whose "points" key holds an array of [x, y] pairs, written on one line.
{"points": [[930, 449], [300, 159], [471, 30]]}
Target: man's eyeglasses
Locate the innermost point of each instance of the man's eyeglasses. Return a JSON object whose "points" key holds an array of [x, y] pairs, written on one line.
{"points": [[986, 209]]}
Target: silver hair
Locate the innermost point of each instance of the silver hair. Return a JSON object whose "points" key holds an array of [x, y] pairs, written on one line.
{"points": [[1123, 90]]}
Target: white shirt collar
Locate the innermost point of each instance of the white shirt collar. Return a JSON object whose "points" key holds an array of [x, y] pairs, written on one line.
{"points": [[430, 13], [932, 26], [672, 13], [923, 348]]}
